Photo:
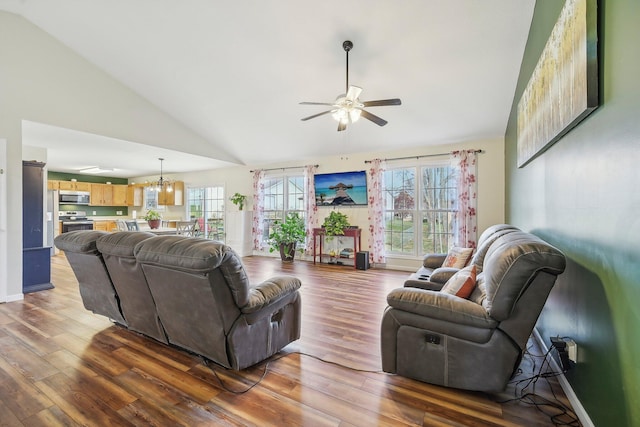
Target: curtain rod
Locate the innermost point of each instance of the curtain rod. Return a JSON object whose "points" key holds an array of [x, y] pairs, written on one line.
{"points": [[282, 169], [420, 156]]}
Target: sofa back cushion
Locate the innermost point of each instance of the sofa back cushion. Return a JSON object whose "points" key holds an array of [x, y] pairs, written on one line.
{"points": [[197, 256], [79, 242], [122, 243], [486, 240], [136, 301], [94, 281], [510, 265]]}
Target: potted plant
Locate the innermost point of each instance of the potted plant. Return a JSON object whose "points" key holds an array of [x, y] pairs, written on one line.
{"points": [[153, 217], [286, 234], [335, 224], [238, 200]]}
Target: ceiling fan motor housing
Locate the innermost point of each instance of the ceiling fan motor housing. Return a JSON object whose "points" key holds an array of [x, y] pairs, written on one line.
{"points": [[347, 108]]}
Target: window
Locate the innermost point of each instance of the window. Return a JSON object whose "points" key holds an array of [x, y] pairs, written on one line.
{"points": [[419, 209], [282, 195], [206, 204]]}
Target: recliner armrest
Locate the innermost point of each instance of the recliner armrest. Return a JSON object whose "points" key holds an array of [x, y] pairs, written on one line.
{"points": [[442, 274], [270, 291], [440, 305], [433, 260]]}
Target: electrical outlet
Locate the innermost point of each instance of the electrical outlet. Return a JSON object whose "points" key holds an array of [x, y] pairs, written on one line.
{"points": [[118, 212], [572, 350], [95, 213]]}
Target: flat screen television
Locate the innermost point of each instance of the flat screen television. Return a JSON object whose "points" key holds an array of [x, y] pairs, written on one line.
{"points": [[341, 189]]}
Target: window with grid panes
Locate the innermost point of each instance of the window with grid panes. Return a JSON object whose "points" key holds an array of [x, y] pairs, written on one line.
{"points": [[206, 205], [282, 194], [420, 203]]}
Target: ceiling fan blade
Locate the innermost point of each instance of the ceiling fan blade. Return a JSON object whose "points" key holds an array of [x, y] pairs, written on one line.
{"points": [[315, 103], [381, 102], [375, 119], [317, 115], [353, 93], [341, 126]]}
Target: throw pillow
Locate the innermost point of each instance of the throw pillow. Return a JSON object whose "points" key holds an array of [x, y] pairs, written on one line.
{"points": [[457, 257], [462, 283]]}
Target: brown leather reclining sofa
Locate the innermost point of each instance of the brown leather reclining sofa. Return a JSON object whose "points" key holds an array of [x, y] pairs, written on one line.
{"points": [[190, 292]]}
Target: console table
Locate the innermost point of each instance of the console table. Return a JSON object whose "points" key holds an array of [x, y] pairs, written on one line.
{"points": [[354, 233]]}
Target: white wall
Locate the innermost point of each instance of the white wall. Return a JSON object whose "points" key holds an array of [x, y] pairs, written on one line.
{"points": [[491, 185], [43, 81], [3, 219]]}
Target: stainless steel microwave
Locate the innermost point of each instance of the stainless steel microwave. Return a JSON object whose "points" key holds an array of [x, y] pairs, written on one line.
{"points": [[67, 197]]}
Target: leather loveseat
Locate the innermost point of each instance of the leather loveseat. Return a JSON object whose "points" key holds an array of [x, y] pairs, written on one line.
{"points": [[432, 275], [474, 343], [190, 292]]}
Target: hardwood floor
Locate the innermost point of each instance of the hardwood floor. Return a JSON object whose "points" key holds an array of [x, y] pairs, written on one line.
{"points": [[61, 365]]}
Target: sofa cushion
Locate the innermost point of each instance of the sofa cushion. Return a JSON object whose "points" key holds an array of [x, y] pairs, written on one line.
{"points": [[122, 243], [81, 241], [197, 256], [457, 257], [462, 283]]}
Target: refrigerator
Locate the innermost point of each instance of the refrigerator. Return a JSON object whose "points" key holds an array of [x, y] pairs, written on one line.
{"points": [[52, 219]]}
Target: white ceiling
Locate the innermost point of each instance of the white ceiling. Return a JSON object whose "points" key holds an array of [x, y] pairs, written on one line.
{"points": [[234, 72]]}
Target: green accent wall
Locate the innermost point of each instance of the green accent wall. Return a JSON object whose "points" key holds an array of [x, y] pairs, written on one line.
{"points": [[582, 196], [99, 210]]}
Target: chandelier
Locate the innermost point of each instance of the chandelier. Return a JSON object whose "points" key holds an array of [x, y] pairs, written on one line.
{"points": [[161, 183]]}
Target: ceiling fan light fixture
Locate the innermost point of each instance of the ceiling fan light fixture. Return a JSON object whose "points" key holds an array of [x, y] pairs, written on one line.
{"points": [[347, 107]]}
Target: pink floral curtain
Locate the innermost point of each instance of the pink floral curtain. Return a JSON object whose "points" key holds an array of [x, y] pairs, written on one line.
{"points": [[465, 164], [375, 193], [257, 230], [310, 206]]}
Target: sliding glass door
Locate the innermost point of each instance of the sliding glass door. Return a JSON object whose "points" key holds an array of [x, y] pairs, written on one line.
{"points": [[206, 205]]}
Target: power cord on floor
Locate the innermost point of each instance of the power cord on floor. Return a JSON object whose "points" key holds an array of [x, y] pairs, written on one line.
{"points": [[558, 413], [206, 363], [565, 416]]}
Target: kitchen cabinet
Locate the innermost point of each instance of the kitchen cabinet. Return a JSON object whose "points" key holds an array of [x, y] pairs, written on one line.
{"points": [[104, 225], [74, 186], [53, 185], [101, 195], [174, 197], [120, 195], [135, 194]]}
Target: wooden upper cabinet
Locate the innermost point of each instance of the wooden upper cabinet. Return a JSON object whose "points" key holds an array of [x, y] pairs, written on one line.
{"points": [[53, 185], [120, 195], [174, 197], [102, 195], [74, 186]]}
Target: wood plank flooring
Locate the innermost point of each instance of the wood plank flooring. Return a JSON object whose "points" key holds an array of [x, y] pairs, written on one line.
{"points": [[61, 365]]}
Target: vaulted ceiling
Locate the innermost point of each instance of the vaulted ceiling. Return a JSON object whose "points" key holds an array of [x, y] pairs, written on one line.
{"points": [[234, 72]]}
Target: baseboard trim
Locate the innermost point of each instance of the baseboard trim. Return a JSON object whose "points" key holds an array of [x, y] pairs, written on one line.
{"points": [[12, 298], [581, 413]]}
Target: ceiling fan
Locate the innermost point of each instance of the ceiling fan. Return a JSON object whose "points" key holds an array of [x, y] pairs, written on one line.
{"points": [[347, 107]]}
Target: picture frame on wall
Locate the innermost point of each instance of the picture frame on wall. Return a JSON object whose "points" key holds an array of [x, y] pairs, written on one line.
{"points": [[563, 88], [341, 189]]}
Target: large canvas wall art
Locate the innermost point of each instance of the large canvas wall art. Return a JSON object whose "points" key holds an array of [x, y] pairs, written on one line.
{"points": [[341, 188], [563, 88]]}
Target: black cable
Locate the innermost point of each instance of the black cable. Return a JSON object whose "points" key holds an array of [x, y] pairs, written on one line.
{"points": [[566, 416], [206, 363]]}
